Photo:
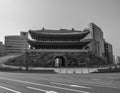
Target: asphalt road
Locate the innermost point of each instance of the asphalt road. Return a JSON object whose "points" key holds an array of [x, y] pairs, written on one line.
{"points": [[59, 83]]}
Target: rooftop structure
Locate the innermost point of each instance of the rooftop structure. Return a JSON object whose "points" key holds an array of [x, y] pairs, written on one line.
{"points": [[58, 39]]}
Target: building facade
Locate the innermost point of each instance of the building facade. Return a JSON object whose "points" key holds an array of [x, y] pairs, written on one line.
{"points": [[58, 47], [16, 43], [108, 53], [118, 60], [2, 49], [97, 44]]}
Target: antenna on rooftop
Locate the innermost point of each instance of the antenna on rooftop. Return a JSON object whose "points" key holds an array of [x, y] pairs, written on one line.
{"points": [[73, 29], [43, 28]]}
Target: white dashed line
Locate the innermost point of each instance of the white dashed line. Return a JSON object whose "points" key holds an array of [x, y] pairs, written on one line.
{"points": [[42, 90], [10, 89], [50, 86], [70, 85]]}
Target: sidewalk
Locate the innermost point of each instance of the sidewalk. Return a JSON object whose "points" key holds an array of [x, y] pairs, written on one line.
{"points": [[57, 70]]}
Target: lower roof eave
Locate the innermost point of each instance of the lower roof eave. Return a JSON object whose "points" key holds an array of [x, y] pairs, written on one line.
{"points": [[58, 50]]}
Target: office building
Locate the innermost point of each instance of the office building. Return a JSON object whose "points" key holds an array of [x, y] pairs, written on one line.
{"points": [[97, 40], [2, 49], [118, 60], [108, 53], [16, 43]]}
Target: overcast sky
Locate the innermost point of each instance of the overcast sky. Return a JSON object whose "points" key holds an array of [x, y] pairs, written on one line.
{"points": [[22, 15]]}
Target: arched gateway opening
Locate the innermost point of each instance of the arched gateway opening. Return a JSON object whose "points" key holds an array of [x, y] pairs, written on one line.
{"points": [[59, 61]]}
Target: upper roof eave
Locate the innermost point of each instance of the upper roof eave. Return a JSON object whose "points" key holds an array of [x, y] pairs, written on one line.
{"points": [[58, 32]]}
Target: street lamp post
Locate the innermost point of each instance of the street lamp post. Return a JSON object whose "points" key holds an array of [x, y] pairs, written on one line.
{"points": [[26, 61], [66, 64], [88, 59]]}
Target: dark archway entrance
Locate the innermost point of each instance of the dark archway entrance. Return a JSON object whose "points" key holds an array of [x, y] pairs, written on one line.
{"points": [[59, 61]]}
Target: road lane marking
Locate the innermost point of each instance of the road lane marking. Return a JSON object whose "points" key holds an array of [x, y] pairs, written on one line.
{"points": [[45, 85], [70, 85], [42, 90], [10, 89], [85, 82]]}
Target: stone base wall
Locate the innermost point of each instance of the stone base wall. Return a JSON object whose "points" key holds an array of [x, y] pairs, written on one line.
{"points": [[46, 59]]}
